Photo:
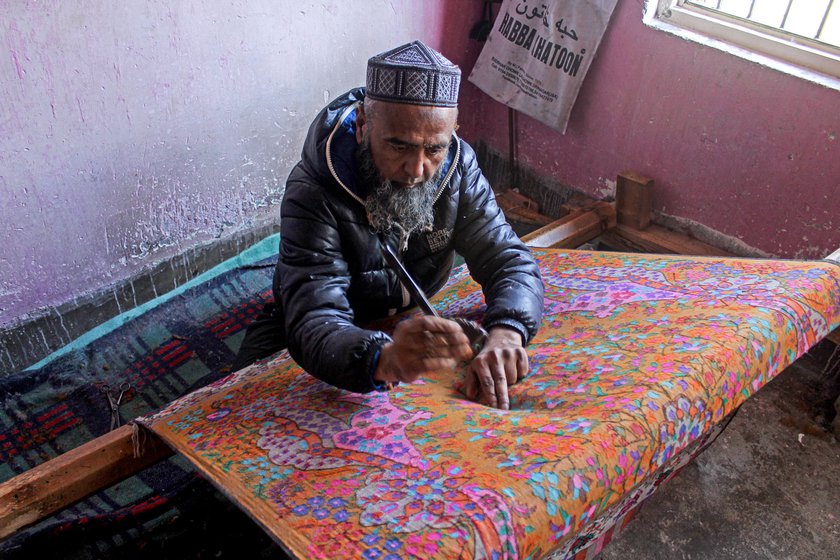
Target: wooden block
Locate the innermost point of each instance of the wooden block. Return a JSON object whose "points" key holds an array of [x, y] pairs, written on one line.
{"points": [[834, 336], [58, 483], [633, 200]]}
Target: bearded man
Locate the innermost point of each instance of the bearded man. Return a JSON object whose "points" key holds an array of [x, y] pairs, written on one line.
{"points": [[383, 165]]}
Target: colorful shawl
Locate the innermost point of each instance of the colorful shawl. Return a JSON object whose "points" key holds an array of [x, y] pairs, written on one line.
{"points": [[639, 359]]}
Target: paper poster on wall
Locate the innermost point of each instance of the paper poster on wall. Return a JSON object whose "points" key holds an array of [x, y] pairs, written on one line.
{"points": [[538, 54]]}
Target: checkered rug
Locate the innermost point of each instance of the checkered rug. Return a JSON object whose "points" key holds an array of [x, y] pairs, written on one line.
{"points": [[165, 349]]}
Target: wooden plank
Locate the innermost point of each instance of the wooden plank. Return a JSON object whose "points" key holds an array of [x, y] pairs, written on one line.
{"points": [[61, 482], [519, 208], [527, 216], [510, 198], [656, 239], [574, 229], [633, 200]]}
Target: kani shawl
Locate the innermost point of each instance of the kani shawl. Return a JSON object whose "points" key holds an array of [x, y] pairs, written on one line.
{"points": [[639, 359]]}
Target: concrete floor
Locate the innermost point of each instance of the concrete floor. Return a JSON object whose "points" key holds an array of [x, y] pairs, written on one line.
{"points": [[767, 488]]}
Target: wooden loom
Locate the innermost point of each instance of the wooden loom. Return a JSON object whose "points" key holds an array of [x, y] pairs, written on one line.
{"points": [[104, 461]]}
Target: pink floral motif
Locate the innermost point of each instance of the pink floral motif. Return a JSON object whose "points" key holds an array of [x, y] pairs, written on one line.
{"points": [[307, 438]]}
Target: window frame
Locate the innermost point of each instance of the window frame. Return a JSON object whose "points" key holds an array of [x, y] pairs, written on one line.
{"points": [[809, 59]]}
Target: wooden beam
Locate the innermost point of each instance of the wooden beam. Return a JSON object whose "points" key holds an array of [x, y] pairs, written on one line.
{"points": [[657, 239], [518, 207], [61, 482], [634, 231], [574, 229], [510, 198], [526, 216], [633, 200]]}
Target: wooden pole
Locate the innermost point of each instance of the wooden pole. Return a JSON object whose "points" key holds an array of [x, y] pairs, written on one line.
{"points": [[575, 228], [657, 239], [61, 482]]}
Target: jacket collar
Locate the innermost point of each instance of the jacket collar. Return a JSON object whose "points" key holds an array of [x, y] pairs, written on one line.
{"points": [[341, 145]]}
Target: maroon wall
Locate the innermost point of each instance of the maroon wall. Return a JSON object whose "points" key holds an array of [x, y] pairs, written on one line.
{"points": [[744, 149]]}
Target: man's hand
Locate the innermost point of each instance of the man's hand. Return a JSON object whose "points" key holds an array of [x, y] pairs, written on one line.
{"points": [[422, 344], [502, 362]]}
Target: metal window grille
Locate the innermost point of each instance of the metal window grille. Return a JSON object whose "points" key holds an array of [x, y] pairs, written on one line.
{"points": [[818, 20]]}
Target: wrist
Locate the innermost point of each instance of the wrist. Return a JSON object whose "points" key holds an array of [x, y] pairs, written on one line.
{"points": [[512, 325], [504, 336], [381, 374]]}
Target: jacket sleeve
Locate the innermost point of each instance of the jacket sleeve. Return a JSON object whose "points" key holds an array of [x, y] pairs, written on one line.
{"points": [[497, 259], [312, 279]]}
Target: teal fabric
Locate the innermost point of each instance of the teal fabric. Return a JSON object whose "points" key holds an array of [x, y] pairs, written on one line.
{"points": [[266, 248]]}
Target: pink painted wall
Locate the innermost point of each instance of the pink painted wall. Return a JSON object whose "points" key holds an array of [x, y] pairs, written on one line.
{"points": [[741, 148], [130, 132]]}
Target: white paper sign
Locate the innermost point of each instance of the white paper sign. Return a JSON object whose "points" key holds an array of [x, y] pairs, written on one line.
{"points": [[538, 53]]}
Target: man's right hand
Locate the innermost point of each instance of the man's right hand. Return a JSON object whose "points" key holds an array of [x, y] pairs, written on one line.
{"points": [[422, 344]]}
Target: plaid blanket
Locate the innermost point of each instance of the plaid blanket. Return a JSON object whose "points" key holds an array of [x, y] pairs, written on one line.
{"points": [[166, 348]]}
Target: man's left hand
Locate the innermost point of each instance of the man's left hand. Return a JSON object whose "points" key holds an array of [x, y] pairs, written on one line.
{"points": [[501, 363]]}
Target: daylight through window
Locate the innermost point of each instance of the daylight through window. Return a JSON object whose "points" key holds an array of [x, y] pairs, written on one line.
{"points": [[812, 19], [800, 37]]}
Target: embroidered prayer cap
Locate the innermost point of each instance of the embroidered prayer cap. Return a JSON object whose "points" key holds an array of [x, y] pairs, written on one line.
{"points": [[414, 74]]}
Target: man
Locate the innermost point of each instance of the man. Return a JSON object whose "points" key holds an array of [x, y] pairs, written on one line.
{"points": [[382, 165]]}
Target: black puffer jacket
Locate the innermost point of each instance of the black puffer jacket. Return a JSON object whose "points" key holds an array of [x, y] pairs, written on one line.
{"points": [[330, 276]]}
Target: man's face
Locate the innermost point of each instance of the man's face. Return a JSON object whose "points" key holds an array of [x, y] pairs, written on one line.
{"points": [[408, 142]]}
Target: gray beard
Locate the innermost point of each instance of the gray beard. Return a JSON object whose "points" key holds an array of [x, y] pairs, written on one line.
{"points": [[392, 207]]}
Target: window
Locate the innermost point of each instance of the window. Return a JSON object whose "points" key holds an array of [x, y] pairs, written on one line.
{"points": [[797, 36]]}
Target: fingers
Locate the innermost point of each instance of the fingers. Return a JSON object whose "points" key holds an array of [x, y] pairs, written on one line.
{"points": [[428, 337], [492, 372], [419, 324], [427, 363], [522, 367], [494, 387], [419, 345], [487, 383]]}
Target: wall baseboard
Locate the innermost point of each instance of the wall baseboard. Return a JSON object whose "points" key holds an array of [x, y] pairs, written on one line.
{"points": [[550, 194]]}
